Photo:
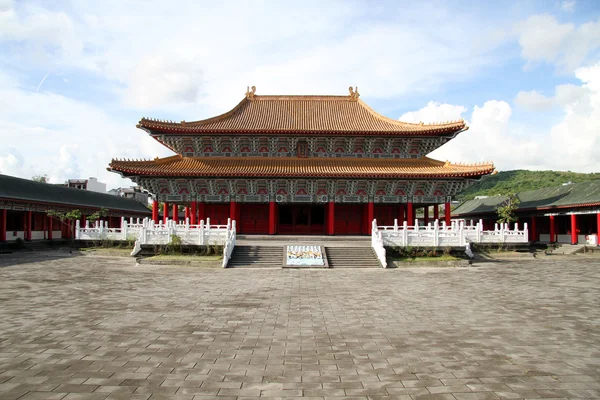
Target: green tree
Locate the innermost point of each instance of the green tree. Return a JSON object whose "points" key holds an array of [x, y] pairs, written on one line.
{"points": [[40, 178], [66, 218], [506, 210], [103, 212]]}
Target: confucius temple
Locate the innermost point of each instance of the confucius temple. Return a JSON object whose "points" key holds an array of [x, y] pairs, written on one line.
{"points": [[301, 165]]}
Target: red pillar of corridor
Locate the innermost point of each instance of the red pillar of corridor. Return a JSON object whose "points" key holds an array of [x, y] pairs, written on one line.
{"points": [[447, 213], [272, 218], [155, 211], [165, 212], [3, 225], [426, 215], [573, 229], [410, 215], [552, 229], [175, 213], [533, 229], [331, 218], [436, 212], [28, 218], [187, 213], [49, 228], [194, 212]]}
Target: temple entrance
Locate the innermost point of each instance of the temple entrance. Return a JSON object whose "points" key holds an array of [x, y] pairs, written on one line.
{"points": [[301, 219]]}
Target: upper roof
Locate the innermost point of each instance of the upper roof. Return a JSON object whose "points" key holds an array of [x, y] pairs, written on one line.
{"points": [[302, 115], [298, 167], [584, 194], [27, 190]]}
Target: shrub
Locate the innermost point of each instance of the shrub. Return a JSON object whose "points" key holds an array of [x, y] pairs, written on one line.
{"points": [[19, 243]]}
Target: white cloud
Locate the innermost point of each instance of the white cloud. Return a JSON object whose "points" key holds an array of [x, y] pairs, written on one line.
{"points": [[543, 39], [65, 138], [168, 55], [533, 100], [571, 144], [567, 5], [435, 112]]}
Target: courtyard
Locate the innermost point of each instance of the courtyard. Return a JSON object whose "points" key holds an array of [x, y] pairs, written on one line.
{"points": [[78, 327]]}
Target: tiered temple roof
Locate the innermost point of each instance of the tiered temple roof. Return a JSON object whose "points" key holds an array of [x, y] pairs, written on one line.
{"points": [[302, 115], [299, 167]]}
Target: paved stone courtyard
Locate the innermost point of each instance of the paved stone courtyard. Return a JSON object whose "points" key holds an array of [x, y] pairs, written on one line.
{"points": [[94, 328]]}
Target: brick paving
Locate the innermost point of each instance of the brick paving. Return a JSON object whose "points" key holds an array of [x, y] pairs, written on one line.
{"points": [[94, 328]]}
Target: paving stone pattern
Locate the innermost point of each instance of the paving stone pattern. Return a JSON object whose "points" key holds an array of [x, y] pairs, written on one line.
{"points": [[93, 328]]}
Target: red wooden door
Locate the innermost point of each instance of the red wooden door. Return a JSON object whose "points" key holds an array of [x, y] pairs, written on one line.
{"points": [[385, 214], [218, 213], [348, 219], [254, 218]]}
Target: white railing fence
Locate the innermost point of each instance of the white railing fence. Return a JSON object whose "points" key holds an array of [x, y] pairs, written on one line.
{"points": [[229, 243], [147, 232], [457, 234], [377, 244]]}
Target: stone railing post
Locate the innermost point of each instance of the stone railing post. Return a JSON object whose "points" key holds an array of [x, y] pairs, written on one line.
{"points": [[405, 233], [201, 235], [395, 225], [436, 233]]}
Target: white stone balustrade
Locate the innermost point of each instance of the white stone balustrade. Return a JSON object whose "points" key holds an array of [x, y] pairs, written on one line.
{"points": [[458, 234]]}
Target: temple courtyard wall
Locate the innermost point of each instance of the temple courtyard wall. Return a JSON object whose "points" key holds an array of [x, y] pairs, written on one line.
{"points": [[102, 328]]}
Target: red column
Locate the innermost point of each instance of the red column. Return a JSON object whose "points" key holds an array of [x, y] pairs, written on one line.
{"points": [[49, 228], [165, 211], [410, 216], [573, 229], [233, 211], [201, 215], [187, 212], [175, 213], [28, 215], [272, 218], [83, 219], [598, 226], [447, 212], [552, 229], [426, 215], [401, 211], [155, 211], [436, 211], [533, 230], [370, 216], [3, 225], [194, 213], [331, 218]]}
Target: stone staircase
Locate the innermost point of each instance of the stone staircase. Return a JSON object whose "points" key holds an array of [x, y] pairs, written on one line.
{"points": [[256, 257], [351, 257], [568, 249]]}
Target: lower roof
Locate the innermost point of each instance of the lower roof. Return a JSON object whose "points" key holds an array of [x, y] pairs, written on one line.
{"points": [[298, 167], [13, 188], [584, 194]]}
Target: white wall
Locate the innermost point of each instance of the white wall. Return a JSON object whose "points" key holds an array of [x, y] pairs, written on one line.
{"points": [[95, 186], [35, 235], [592, 239]]}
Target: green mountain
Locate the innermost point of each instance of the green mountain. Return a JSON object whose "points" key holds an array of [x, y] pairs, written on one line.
{"points": [[521, 180]]}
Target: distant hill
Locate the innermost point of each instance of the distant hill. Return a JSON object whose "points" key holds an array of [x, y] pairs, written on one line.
{"points": [[521, 180]]}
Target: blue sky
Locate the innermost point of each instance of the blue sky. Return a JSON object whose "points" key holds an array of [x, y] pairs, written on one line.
{"points": [[75, 77]]}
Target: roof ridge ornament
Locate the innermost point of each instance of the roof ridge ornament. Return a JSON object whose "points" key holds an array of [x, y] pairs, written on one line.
{"points": [[354, 92], [250, 91]]}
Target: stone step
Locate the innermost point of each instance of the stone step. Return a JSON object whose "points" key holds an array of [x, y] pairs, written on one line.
{"points": [[351, 257], [256, 257]]}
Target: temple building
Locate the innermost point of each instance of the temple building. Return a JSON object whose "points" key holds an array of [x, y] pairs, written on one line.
{"points": [[301, 165]]}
